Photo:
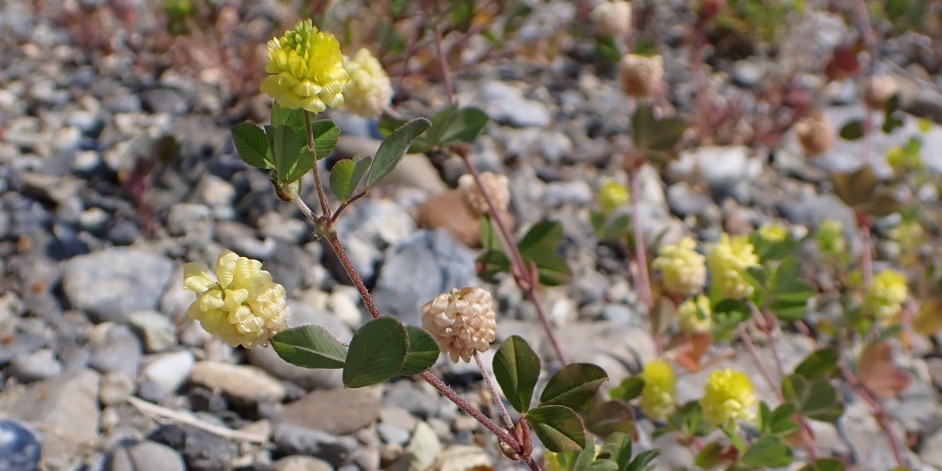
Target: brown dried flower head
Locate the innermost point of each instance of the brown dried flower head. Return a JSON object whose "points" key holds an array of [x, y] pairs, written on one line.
{"points": [[640, 75], [496, 186], [878, 90], [814, 133], [462, 322]]}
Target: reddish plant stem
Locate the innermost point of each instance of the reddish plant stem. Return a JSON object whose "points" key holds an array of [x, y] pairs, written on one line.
{"points": [[804, 428], [641, 256], [490, 387], [321, 195], [470, 410], [524, 275], [443, 63], [879, 413], [866, 248], [345, 205]]}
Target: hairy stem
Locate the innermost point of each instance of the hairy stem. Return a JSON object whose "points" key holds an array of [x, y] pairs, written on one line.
{"points": [[523, 271], [464, 405], [490, 387], [321, 195]]}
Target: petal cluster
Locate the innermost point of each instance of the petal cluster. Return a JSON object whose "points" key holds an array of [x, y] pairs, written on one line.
{"points": [[682, 268], [497, 188], [612, 195], [694, 315], [612, 18], [305, 69], [369, 91], [727, 260], [660, 388], [242, 305], [462, 322], [830, 238], [640, 76], [885, 295], [729, 396]]}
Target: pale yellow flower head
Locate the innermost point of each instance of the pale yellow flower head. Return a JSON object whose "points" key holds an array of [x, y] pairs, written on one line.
{"points": [[885, 295], [775, 232], [640, 76], [369, 91], [682, 268], [612, 195], [244, 307], [728, 397], [910, 236], [305, 69], [830, 238], [660, 387], [694, 315], [497, 186], [612, 18], [462, 322], [727, 261]]}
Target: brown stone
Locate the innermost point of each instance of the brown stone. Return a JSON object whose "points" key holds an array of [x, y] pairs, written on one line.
{"points": [[337, 411]]}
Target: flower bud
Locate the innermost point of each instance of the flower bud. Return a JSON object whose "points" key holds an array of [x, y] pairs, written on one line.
{"points": [[462, 322], [885, 295], [496, 187], [612, 18], [694, 315], [306, 69], [878, 89], [682, 268], [244, 307], [775, 232], [369, 91], [612, 195], [640, 76], [727, 260], [660, 387], [815, 134], [728, 397]]}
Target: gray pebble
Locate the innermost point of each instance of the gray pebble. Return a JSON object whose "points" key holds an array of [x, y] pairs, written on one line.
{"points": [[35, 366], [156, 330], [293, 440]]}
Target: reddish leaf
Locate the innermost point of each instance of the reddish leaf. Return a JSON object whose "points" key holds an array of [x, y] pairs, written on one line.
{"points": [[690, 349], [877, 371]]}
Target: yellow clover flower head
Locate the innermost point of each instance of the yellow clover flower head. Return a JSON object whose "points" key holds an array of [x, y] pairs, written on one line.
{"points": [[612, 195], [497, 187], [910, 236], [694, 315], [244, 307], [682, 268], [305, 69], [727, 260], [775, 232], [660, 387], [830, 238], [885, 296], [369, 91], [728, 397], [462, 322]]}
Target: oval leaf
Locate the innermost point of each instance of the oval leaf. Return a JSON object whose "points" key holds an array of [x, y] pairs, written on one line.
{"points": [[816, 400], [558, 427], [423, 351], [819, 364], [573, 386], [767, 452], [341, 176], [852, 130], [392, 149], [377, 353], [325, 134], [309, 346], [252, 145], [517, 369]]}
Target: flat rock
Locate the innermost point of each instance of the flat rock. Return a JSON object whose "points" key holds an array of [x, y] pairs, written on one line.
{"points": [[41, 364], [302, 463], [67, 407], [115, 349], [165, 374], [114, 282], [156, 330], [201, 450], [338, 411], [419, 268], [292, 439], [244, 383], [145, 456]]}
